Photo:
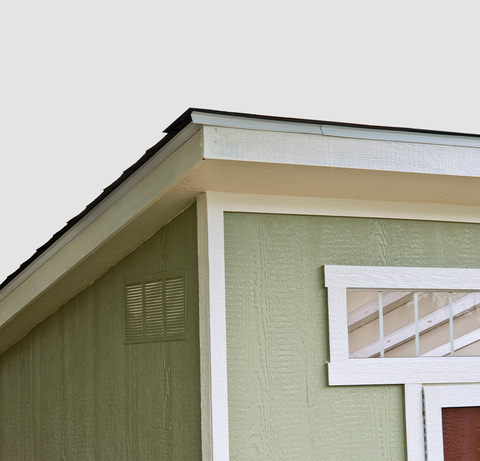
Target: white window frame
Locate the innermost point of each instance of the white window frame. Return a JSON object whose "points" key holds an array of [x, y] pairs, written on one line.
{"points": [[345, 371]]}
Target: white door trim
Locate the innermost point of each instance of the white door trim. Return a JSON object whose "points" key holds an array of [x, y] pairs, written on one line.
{"points": [[441, 396]]}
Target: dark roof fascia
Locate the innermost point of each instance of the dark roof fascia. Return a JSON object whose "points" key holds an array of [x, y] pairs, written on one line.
{"points": [[188, 114], [171, 131]]}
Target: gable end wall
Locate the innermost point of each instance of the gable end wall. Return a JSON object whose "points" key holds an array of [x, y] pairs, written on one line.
{"points": [[71, 388]]}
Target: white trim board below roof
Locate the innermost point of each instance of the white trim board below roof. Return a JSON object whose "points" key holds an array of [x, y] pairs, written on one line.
{"points": [[307, 149]]}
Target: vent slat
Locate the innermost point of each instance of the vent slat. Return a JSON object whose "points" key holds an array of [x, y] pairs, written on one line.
{"points": [[175, 306], [155, 310], [133, 312]]}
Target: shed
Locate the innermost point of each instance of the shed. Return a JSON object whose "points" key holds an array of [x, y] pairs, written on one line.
{"points": [[256, 288]]}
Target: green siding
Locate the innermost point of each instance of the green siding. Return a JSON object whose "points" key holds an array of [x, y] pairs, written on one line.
{"points": [[71, 389], [280, 406]]}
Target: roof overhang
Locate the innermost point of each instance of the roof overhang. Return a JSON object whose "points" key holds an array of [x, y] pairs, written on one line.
{"points": [[215, 151]]}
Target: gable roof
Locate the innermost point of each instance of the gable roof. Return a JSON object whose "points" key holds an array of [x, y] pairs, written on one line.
{"points": [[171, 131], [176, 127], [182, 137]]}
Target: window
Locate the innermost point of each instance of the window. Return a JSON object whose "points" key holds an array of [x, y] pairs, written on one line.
{"points": [[413, 323], [400, 325], [154, 308]]}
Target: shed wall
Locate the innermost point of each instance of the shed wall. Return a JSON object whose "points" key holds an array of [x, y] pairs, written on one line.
{"points": [[71, 389], [280, 406]]}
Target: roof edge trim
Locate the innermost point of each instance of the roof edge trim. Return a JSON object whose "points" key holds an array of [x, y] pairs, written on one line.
{"points": [[134, 177], [333, 129], [401, 136]]}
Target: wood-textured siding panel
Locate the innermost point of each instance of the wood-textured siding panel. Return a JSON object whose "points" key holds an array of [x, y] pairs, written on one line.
{"points": [[16, 403], [280, 406], [72, 389]]}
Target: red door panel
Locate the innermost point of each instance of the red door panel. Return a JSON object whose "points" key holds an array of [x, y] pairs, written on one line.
{"points": [[461, 433]]}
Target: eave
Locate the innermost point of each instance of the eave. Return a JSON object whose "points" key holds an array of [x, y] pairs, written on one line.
{"points": [[239, 153]]}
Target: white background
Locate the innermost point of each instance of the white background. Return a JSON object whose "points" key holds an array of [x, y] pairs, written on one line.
{"points": [[88, 86]]}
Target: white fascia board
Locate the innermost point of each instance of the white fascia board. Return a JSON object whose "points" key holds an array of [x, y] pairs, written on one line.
{"points": [[385, 134], [308, 149]]}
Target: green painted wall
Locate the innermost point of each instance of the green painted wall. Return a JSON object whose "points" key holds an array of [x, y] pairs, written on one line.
{"points": [[72, 390], [280, 407]]}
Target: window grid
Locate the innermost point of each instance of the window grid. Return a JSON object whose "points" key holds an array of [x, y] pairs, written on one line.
{"points": [[442, 323]]}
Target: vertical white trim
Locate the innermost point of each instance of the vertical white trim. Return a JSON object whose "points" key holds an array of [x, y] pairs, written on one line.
{"points": [[338, 324], [204, 329], [433, 423], [414, 422], [213, 335]]}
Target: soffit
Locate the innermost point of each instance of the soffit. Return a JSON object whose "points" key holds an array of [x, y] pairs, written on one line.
{"points": [[313, 165], [345, 183]]}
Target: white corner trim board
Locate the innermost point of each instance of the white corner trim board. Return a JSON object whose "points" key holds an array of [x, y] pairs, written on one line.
{"points": [[213, 344], [212, 329]]}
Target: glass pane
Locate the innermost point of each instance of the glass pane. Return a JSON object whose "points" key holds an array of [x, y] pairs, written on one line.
{"points": [[400, 325], [466, 326], [363, 325], [365, 339], [415, 324], [434, 323]]}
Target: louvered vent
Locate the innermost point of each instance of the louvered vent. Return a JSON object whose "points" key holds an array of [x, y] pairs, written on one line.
{"points": [[155, 308]]}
